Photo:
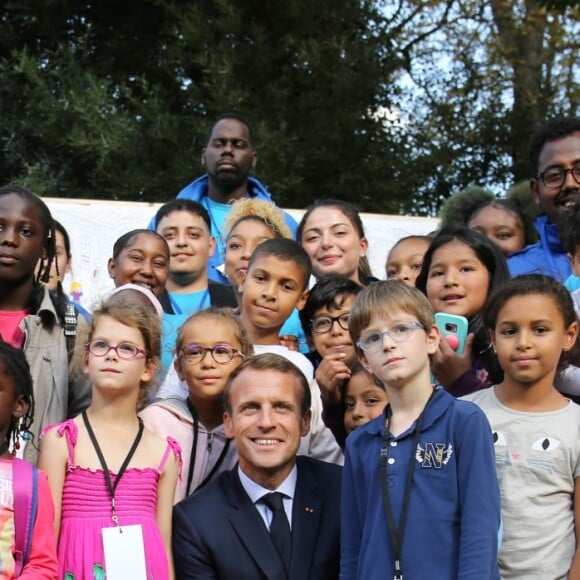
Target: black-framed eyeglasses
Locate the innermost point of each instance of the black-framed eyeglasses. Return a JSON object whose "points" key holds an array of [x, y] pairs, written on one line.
{"points": [[124, 350], [399, 332], [556, 176], [322, 324], [222, 354]]}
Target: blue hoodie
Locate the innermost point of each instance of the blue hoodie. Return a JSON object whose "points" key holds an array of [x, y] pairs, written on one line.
{"points": [[546, 256], [197, 191]]}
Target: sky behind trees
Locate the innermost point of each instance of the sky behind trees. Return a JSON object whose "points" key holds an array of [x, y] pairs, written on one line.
{"points": [[115, 100]]}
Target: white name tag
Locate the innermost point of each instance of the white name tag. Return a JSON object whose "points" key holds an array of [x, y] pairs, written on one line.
{"points": [[124, 553]]}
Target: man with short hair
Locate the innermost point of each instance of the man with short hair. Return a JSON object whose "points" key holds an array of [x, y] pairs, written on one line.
{"points": [[228, 158], [185, 226], [555, 160], [275, 516]]}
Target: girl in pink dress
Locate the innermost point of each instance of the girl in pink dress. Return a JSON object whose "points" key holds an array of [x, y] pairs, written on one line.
{"points": [[112, 480]]}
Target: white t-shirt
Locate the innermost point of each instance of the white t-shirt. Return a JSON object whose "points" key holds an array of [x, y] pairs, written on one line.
{"points": [[293, 356], [537, 459]]}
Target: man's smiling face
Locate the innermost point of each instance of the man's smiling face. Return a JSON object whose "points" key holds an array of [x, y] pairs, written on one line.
{"points": [[561, 153]]}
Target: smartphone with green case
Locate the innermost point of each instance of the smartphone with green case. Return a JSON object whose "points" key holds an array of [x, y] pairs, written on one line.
{"points": [[453, 325]]}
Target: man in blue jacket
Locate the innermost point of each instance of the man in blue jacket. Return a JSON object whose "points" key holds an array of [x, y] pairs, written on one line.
{"points": [[555, 159], [228, 158]]}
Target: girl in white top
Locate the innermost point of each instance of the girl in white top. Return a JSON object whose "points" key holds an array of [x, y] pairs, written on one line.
{"points": [[536, 429]]}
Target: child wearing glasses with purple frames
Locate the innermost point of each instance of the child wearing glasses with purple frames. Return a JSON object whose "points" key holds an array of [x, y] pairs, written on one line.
{"points": [[113, 480], [210, 345], [419, 480]]}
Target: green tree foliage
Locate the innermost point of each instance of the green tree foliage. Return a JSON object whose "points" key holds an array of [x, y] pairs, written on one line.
{"points": [[115, 100], [393, 105], [478, 76], [459, 207]]}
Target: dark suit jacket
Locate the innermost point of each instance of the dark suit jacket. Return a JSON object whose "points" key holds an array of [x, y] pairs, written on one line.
{"points": [[218, 532]]}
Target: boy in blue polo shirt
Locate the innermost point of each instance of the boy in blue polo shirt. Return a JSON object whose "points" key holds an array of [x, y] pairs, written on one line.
{"points": [[420, 496]]}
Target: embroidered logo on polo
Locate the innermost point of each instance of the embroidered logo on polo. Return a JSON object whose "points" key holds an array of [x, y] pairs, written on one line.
{"points": [[434, 455]]}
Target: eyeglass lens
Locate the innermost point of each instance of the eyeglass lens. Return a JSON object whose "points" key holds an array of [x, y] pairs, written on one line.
{"points": [[221, 353], [324, 323]]}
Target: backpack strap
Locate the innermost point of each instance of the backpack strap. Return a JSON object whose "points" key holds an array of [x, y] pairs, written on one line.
{"points": [[70, 327], [25, 489]]}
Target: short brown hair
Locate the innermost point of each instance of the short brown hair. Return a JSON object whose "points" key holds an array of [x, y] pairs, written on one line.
{"points": [[269, 361], [381, 299]]}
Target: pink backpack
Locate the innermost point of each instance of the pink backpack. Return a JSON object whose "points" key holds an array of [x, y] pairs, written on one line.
{"points": [[25, 486]]}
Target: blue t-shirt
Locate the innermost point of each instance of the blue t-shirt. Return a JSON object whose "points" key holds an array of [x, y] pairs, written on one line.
{"points": [[184, 305], [218, 212], [293, 327], [572, 283]]}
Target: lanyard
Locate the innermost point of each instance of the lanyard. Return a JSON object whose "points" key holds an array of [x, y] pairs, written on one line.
{"points": [[112, 486], [177, 308], [193, 455], [398, 534]]}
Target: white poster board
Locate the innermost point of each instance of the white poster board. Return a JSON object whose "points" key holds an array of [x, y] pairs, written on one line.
{"points": [[94, 226]]}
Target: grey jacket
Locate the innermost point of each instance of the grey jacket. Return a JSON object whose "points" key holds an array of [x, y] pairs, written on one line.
{"points": [[56, 397]]}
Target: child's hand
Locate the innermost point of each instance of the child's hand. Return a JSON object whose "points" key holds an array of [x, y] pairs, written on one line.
{"points": [[329, 376], [289, 341], [447, 365]]}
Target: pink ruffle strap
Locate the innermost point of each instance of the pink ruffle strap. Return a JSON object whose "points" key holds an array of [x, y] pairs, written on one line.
{"points": [[172, 446], [70, 431]]}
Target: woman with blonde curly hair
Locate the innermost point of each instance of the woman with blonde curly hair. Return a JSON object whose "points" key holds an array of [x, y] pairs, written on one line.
{"points": [[249, 223]]}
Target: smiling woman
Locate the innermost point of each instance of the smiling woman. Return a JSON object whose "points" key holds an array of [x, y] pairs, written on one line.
{"points": [[332, 234], [249, 223]]}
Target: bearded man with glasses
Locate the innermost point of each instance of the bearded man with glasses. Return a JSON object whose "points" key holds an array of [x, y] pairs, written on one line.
{"points": [[555, 187]]}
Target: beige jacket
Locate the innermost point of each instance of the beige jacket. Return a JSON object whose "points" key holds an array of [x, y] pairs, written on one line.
{"points": [[55, 397]]}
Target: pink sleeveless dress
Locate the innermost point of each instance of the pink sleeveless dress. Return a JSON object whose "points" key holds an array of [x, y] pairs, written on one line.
{"points": [[86, 509]]}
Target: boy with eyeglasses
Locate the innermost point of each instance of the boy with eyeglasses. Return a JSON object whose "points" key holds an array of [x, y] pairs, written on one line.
{"points": [[324, 320], [555, 187], [420, 480]]}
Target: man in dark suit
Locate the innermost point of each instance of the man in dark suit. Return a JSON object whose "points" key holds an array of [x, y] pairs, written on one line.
{"points": [[228, 530]]}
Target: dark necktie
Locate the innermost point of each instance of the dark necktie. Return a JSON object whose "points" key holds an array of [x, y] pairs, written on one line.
{"points": [[279, 528]]}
